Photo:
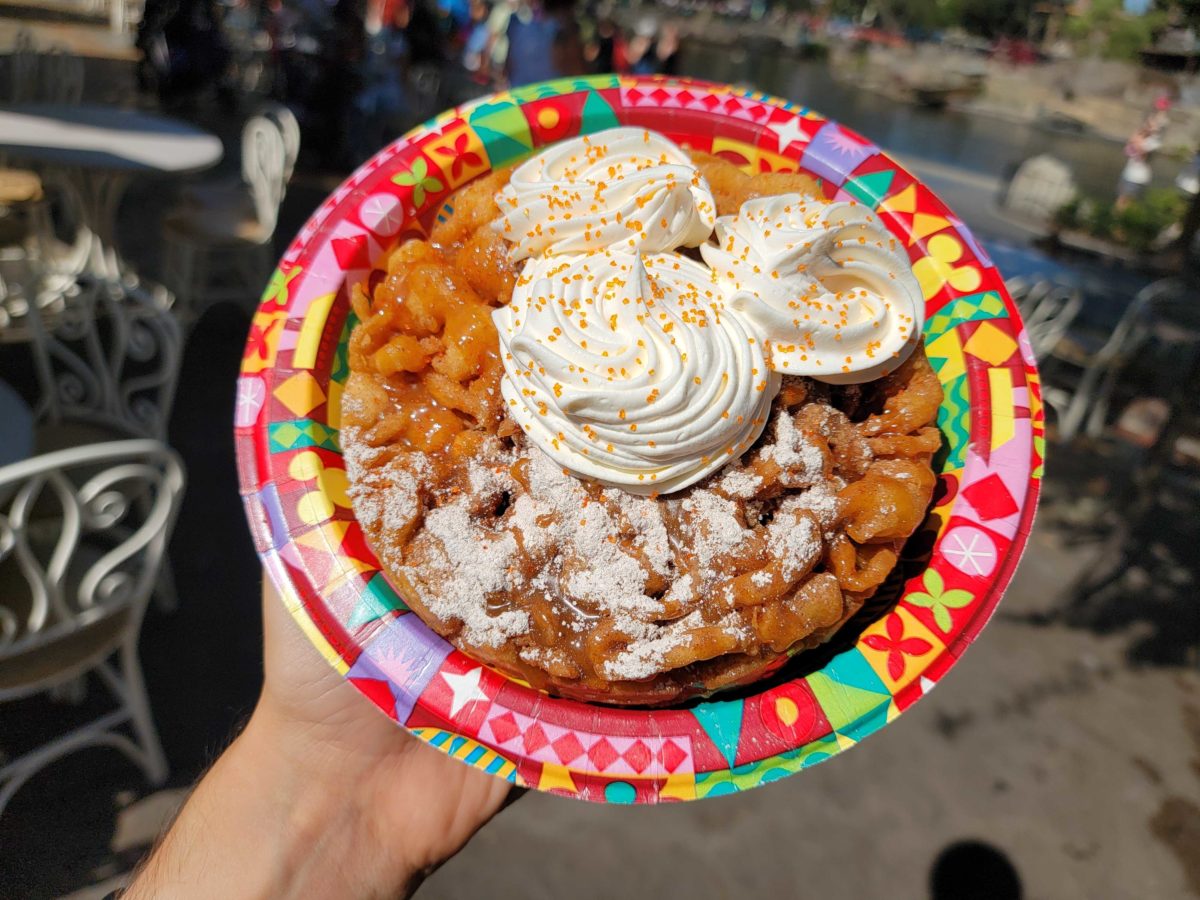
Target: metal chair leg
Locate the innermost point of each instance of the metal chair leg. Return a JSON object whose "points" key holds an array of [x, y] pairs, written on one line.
{"points": [[166, 597], [141, 718]]}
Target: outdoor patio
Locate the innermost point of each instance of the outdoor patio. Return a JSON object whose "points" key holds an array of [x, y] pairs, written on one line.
{"points": [[1060, 759]]}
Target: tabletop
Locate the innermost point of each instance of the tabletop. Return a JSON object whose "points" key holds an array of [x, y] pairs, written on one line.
{"points": [[106, 137]]}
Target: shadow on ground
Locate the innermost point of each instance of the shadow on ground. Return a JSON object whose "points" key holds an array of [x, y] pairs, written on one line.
{"points": [[1141, 540]]}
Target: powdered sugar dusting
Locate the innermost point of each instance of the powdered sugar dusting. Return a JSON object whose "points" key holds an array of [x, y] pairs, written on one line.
{"points": [[715, 528], [739, 482], [647, 652], [383, 496], [477, 569], [796, 542], [821, 500], [801, 460], [592, 551]]}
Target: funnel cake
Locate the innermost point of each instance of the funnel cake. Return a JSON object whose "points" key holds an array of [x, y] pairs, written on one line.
{"points": [[588, 590]]}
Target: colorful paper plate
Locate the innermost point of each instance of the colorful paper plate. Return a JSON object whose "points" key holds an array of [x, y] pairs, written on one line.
{"points": [[294, 483]]}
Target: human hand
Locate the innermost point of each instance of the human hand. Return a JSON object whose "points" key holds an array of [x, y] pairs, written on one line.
{"points": [[321, 794]]}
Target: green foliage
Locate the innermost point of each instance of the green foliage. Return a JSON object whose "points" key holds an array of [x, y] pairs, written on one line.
{"points": [[995, 18], [1069, 216], [1129, 36], [1137, 225], [991, 18], [1144, 220], [1111, 32], [1098, 219], [929, 14]]}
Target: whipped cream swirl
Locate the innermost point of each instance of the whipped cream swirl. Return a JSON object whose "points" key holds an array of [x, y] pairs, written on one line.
{"points": [[823, 284], [622, 189], [624, 369]]}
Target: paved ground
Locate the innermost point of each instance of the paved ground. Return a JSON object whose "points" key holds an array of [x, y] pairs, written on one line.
{"points": [[1061, 758]]}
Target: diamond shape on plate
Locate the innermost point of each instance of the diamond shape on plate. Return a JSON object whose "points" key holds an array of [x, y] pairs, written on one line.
{"points": [[638, 756], [504, 727], [990, 344], [991, 498], [567, 747], [535, 738], [602, 754], [672, 755], [300, 393]]}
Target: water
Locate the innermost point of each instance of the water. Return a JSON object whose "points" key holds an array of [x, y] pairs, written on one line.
{"points": [[978, 144], [971, 143]]}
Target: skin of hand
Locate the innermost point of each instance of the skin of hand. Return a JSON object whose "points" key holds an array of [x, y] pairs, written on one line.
{"points": [[321, 795]]}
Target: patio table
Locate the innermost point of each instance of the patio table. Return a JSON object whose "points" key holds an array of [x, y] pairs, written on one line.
{"points": [[99, 150]]}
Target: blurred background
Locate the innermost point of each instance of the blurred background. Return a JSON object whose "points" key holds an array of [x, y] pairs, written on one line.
{"points": [[157, 155]]}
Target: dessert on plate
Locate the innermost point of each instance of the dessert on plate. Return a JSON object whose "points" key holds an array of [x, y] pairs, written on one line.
{"points": [[634, 426]]}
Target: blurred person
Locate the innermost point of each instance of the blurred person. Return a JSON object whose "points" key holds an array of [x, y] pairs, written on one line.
{"points": [[497, 48], [1136, 174], [335, 59], [320, 795], [585, 21], [426, 40], [606, 42], [240, 24], [1139, 149], [475, 56], [666, 49], [429, 52], [544, 42], [653, 50], [183, 48], [639, 52], [458, 11], [381, 107], [281, 24]]}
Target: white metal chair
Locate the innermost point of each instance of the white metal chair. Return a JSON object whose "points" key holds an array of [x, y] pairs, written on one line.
{"points": [[82, 535], [1047, 308], [1165, 310], [223, 252], [231, 196], [107, 367], [285, 119]]}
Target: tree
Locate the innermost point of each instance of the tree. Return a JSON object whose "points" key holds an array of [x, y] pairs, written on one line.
{"points": [[1111, 32], [996, 18], [1189, 10]]}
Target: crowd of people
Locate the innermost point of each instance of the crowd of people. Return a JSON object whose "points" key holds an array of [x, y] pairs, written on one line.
{"points": [[359, 72], [515, 42]]}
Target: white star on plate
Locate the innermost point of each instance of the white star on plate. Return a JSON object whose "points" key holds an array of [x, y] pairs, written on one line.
{"points": [[249, 400], [789, 131], [383, 214], [465, 689], [970, 555]]}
